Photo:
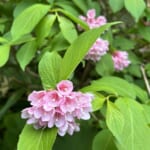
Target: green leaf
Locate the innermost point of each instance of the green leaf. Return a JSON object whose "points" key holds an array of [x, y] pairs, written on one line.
{"points": [[134, 70], [114, 118], [135, 126], [98, 101], [144, 32], [32, 139], [135, 7], [44, 27], [68, 29], [26, 53], [123, 43], [81, 4], [113, 85], [28, 19], [76, 52], [141, 94], [4, 54], [104, 140], [105, 65], [116, 5], [49, 68], [75, 19]]}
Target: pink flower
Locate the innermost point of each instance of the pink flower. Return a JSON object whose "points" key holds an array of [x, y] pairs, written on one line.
{"points": [[99, 49], [120, 59], [65, 87], [91, 19], [59, 108]]}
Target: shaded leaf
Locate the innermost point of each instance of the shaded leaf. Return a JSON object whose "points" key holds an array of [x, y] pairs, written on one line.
{"points": [[116, 5]]}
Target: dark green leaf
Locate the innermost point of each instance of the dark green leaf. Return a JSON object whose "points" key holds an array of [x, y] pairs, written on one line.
{"points": [[104, 140], [105, 65]]}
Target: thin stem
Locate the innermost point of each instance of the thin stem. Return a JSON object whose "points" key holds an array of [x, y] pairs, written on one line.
{"points": [[145, 79]]}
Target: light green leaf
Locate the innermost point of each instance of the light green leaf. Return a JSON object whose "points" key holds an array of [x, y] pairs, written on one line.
{"points": [[4, 54], [141, 94], [26, 53], [78, 49], [44, 27], [104, 140], [32, 139], [98, 101], [105, 65], [28, 19], [113, 85], [116, 5], [68, 29], [114, 118], [135, 126], [135, 7], [75, 19], [49, 68]]}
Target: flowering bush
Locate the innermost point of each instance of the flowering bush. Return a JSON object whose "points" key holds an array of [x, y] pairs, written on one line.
{"points": [[74, 75]]}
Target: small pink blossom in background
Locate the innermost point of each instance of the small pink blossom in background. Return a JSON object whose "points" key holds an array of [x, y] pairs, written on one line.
{"points": [[59, 108], [120, 59], [99, 49], [92, 20]]}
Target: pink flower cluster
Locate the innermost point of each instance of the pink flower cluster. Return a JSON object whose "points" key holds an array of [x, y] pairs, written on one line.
{"points": [[120, 59], [92, 20], [58, 108], [99, 49]]}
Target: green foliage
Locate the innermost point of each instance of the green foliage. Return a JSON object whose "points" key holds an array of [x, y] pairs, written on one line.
{"points": [[41, 44], [4, 54], [28, 19], [36, 139], [26, 53], [116, 5], [49, 69], [135, 7], [105, 66], [104, 140], [77, 50]]}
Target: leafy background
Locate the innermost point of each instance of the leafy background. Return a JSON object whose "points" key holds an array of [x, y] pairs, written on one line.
{"points": [[36, 34]]}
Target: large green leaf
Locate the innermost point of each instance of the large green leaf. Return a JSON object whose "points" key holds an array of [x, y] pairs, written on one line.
{"points": [[32, 139], [135, 134], [78, 50], [116, 5], [105, 65], [104, 140], [113, 85], [26, 53], [4, 54], [135, 7], [114, 118], [68, 29], [44, 27], [28, 19], [49, 67]]}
